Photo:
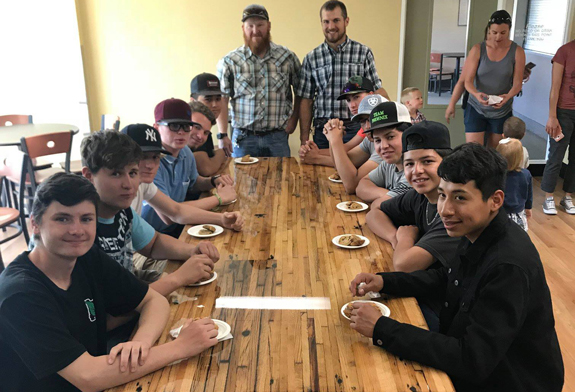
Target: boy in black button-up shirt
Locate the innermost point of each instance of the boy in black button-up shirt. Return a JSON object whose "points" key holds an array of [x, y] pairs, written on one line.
{"points": [[497, 328]]}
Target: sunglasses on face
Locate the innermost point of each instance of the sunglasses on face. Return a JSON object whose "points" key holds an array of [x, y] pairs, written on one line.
{"points": [[175, 127]]}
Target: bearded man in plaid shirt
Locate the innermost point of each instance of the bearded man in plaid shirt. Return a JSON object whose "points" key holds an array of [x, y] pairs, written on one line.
{"points": [[325, 71], [258, 78]]}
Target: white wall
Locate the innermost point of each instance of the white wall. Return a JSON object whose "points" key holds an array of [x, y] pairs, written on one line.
{"points": [[446, 35]]}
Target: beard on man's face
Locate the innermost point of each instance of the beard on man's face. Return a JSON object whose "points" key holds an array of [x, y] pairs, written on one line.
{"points": [[258, 45]]}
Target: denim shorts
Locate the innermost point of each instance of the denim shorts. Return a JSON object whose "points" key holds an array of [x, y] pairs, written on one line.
{"points": [[477, 122]]}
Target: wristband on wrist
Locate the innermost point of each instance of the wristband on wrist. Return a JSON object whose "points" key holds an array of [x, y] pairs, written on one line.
{"points": [[214, 178], [219, 198], [221, 135]]}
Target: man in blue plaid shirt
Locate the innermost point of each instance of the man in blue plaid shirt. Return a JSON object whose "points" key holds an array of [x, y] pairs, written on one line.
{"points": [[325, 71], [258, 78]]}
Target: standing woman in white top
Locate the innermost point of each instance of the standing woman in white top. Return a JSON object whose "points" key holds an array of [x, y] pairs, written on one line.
{"points": [[494, 68]]}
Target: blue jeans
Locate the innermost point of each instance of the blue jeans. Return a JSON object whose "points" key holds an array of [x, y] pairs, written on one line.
{"points": [[351, 129], [274, 144]]}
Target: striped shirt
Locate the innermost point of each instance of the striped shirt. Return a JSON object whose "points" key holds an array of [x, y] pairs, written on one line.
{"points": [[324, 72], [260, 88], [419, 117]]}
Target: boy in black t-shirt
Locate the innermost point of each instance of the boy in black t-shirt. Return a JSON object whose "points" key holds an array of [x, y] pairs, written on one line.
{"points": [[410, 221], [497, 331], [54, 301]]}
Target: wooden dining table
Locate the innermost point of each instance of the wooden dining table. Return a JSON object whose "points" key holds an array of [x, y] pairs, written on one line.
{"points": [[285, 251]]}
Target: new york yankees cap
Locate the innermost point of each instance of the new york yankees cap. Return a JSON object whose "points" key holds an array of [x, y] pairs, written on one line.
{"points": [[147, 137]]}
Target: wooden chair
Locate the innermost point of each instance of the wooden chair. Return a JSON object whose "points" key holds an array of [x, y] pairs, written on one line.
{"points": [[45, 145], [14, 167], [15, 119]]}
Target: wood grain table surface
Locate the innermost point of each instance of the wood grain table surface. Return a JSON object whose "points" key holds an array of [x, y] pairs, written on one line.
{"points": [[285, 250]]}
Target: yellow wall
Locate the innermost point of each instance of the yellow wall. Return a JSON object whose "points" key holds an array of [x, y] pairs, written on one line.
{"points": [[137, 53]]}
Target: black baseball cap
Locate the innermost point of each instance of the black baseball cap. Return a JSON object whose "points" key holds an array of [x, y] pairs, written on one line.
{"points": [[426, 135], [147, 137], [205, 84], [356, 84], [388, 114], [255, 10]]}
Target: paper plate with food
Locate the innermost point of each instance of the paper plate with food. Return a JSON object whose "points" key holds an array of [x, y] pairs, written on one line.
{"points": [[352, 206], [246, 160], [213, 276], [348, 307], [205, 231], [350, 241], [335, 178]]}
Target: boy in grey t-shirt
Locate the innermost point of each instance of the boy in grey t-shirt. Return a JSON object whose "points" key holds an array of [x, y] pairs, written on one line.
{"points": [[387, 180]]}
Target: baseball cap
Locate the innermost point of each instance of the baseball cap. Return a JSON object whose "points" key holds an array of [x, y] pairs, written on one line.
{"points": [[367, 104], [425, 135], [356, 84], [147, 137], [205, 84], [388, 114], [255, 10], [173, 110]]}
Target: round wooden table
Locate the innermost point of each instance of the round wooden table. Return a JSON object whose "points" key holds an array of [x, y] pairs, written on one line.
{"points": [[11, 135]]}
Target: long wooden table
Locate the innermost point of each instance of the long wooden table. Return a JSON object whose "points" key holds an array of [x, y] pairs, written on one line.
{"points": [[285, 250]]}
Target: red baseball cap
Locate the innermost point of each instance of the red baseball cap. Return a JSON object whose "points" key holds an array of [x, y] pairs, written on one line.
{"points": [[173, 110]]}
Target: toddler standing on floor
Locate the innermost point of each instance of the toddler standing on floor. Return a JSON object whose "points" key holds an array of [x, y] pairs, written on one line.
{"points": [[519, 184], [514, 128], [411, 97]]}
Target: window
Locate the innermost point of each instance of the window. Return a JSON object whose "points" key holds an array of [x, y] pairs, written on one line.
{"points": [[545, 27]]}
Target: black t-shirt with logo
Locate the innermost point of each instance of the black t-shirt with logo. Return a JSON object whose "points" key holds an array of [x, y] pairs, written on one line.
{"points": [[43, 328], [207, 147]]}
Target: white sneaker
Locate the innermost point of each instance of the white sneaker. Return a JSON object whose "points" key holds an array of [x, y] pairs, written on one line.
{"points": [[567, 203], [549, 206]]}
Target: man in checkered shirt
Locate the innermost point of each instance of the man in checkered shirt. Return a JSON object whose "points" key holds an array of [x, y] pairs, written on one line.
{"points": [[258, 78], [324, 72]]}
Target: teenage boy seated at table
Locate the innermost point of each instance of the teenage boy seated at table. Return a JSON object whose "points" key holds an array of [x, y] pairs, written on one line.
{"points": [[354, 92], [205, 88], [358, 162], [497, 331], [54, 301], [178, 173], [111, 162], [387, 180], [150, 141], [410, 222]]}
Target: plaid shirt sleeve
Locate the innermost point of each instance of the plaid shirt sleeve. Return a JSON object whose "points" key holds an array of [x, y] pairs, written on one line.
{"points": [[370, 71], [306, 87], [295, 74], [223, 73]]}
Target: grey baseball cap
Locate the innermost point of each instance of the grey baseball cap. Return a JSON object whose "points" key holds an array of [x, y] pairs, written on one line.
{"points": [[367, 104]]}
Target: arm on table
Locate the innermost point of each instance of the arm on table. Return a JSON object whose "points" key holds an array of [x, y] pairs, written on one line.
{"points": [[209, 166], [367, 191], [381, 224], [89, 373]]}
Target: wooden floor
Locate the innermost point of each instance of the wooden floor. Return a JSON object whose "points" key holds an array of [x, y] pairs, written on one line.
{"points": [[554, 237]]}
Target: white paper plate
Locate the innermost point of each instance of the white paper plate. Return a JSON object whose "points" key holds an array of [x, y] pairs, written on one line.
{"points": [[194, 231], [335, 241], [384, 309], [332, 180], [223, 328], [251, 162], [341, 206], [494, 99], [205, 281]]}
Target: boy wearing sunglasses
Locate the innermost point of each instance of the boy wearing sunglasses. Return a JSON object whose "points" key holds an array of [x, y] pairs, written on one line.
{"points": [[178, 173]]}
